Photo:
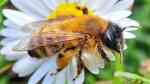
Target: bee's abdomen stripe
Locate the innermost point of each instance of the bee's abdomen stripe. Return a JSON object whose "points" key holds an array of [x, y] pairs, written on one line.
{"points": [[69, 48]]}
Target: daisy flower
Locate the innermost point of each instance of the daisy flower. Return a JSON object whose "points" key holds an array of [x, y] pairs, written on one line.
{"points": [[116, 11]]}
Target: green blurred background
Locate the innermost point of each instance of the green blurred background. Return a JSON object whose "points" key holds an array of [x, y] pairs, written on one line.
{"points": [[136, 57]]}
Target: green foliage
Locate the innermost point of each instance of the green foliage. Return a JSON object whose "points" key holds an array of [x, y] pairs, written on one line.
{"points": [[90, 79], [3, 79], [138, 48], [131, 76], [1, 21], [2, 2]]}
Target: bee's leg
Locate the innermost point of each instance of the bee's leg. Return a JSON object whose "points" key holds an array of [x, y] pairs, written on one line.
{"points": [[103, 54], [53, 49], [80, 64], [67, 53], [79, 68], [70, 49], [101, 50], [64, 57], [38, 52]]}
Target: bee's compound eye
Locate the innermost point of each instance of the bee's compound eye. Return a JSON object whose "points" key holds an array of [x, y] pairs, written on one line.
{"points": [[113, 36]]}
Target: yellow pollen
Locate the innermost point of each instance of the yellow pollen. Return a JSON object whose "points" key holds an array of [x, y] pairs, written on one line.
{"points": [[68, 9]]}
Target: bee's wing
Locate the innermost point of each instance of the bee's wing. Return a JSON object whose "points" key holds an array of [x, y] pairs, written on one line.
{"points": [[25, 43], [60, 36], [45, 39], [32, 27]]}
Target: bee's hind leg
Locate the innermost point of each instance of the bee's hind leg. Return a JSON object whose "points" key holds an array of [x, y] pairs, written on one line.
{"points": [[79, 70], [64, 57], [80, 66]]}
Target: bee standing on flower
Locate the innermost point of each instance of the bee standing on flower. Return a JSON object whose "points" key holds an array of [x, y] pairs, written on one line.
{"points": [[73, 38]]}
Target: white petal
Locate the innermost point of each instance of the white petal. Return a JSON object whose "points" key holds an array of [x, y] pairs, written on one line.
{"points": [[32, 7], [115, 16], [72, 1], [61, 1], [48, 67], [17, 17], [131, 29], [122, 5], [26, 66], [80, 79], [107, 6], [72, 71], [10, 24], [128, 35], [6, 41], [77, 1], [127, 22], [61, 77], [12, 33], [49, 79], [51, 4], [12, 55], [96, 5]]}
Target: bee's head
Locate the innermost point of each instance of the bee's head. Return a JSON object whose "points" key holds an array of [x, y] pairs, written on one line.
{"points": [[113, 37]]}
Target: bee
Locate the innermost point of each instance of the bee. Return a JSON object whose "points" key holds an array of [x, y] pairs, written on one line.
{"points": [[90, 39]]}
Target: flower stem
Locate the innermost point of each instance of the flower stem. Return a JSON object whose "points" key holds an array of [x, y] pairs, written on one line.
{"points": [[132, 76], [5, 69]]}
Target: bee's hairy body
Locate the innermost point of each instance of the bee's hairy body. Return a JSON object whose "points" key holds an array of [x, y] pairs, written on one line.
{"points": [[70, 37]]}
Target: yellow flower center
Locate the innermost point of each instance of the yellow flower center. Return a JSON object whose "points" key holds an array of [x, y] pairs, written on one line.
{"points": [[69, 9]]}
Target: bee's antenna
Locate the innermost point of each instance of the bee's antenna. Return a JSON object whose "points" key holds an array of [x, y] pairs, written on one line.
{"points": [[124, 28]]}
